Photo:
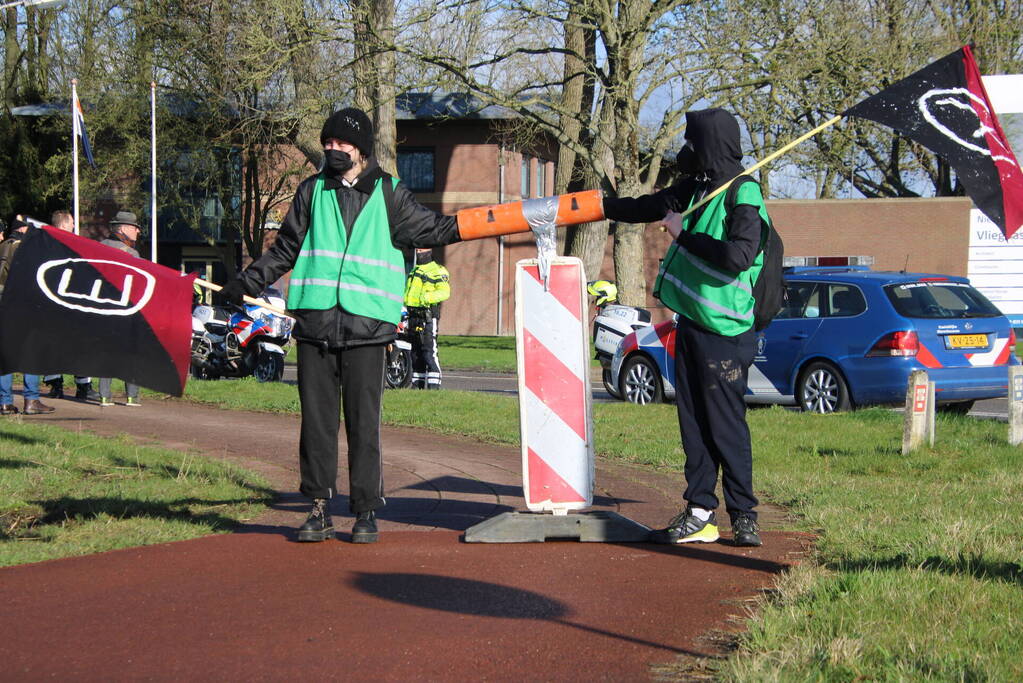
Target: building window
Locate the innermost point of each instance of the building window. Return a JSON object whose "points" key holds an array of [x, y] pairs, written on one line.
{"points": [[415, 168], [524, 185], [541, 178]]}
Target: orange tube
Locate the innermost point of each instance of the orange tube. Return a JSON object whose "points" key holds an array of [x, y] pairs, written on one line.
{"points": [[509, 218]]}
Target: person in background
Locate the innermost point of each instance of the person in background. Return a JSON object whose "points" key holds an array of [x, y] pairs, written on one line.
{"points": [[342, 240], [709, 282], [426, 288], [83, 385], [33, 406], [124, 233]]}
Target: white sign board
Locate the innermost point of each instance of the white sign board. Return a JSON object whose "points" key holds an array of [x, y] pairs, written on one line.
{"points": [[995, 266], [1005, 93]]}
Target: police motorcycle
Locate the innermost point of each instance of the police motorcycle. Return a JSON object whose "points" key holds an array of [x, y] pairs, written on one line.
{"points": [[398, 361], [611, 324], [238, 341]]}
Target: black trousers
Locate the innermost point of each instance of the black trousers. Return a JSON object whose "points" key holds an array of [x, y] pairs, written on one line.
{"points": [[425, 363], [329, 380], [711, 372]]}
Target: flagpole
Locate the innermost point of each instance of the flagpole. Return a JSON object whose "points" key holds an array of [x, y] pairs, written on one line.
{"points": [[152, 171], [74, 146], [766, 160], [248, 299]]}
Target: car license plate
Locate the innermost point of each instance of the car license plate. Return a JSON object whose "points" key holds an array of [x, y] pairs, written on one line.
{"points": [[967, 341]]}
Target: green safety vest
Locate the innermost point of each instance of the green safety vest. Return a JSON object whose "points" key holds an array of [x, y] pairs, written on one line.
{"points": [[427, 285], [363, 273], [716, 299]]}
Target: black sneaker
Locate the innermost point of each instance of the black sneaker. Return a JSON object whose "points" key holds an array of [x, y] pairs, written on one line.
{"points": [[318, 527], [687, 528], [365, 529], [85, 392], [56, 388], [744, 531]]}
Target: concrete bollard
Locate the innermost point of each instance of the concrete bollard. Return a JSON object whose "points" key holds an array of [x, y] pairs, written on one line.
{"points": [[1015, 405], [919, 422]]}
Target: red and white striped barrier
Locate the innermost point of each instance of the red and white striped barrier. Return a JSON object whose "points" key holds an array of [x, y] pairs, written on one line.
{"points": [[554, 387]]}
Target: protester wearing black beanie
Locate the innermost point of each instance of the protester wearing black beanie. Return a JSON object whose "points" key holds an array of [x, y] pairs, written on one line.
{"points": [[350, 125]]}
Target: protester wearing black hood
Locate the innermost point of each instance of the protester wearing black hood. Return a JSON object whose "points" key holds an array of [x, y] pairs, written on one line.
{"points": [[342, 240], [707, 277]]}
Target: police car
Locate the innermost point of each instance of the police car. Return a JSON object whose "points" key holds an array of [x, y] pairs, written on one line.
{"points": [[848, 337]]}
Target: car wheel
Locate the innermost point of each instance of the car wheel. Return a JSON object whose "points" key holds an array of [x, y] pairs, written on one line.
{"points": [[957, 408], [609, 387], [641, 381], [269, 367], [822, 389], [398, 368]]}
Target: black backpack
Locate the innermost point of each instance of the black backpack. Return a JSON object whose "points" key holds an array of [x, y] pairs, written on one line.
{"points": [[769, 290]]}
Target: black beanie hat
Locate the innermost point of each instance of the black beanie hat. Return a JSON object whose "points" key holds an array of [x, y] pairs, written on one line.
{"points": [[350, 125]]}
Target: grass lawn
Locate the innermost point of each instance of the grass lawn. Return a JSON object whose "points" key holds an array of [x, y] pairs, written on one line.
{"points": [[482, 354], [65, 493], [917, 572]]}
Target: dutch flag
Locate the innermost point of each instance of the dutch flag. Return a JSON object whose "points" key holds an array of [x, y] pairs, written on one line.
{"points": [[79, 124]]}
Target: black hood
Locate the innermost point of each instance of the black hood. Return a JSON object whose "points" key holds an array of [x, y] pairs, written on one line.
{"points": [[715, 137]]}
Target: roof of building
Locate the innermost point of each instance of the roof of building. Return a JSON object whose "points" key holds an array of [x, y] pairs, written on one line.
{"points": [[447, 105]]}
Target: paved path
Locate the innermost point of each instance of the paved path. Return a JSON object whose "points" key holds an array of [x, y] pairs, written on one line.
{"points": [[415, 606]]}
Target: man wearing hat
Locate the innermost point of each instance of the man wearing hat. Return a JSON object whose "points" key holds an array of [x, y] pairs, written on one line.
{"points": [[343, 239], [124, 233]]}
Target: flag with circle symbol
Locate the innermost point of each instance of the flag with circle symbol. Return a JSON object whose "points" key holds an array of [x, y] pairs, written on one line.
{"points": [[72, 305]]}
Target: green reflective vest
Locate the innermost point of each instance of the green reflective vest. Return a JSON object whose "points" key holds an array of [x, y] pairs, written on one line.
{"points": [[363, 273], [427, 285], [717, 300]]}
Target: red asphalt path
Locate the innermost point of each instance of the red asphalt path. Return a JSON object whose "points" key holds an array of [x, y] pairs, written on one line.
{"points": [[418, 605]]}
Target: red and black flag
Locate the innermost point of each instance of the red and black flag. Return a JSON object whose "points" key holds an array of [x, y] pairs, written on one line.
{"points": [[945, 108], [72, 305]]}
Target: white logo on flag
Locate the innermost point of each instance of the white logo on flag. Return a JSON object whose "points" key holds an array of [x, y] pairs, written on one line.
{"points": [[69, 288], [934, 105]]}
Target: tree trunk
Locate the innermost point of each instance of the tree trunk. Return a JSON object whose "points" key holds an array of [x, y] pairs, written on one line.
{"points": [[374, 75], [11, 56]]}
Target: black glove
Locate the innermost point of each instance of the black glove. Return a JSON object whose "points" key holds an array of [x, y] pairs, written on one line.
{"points": [[233, 292]]}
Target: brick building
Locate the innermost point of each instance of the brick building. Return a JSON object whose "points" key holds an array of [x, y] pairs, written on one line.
{"points": [[927, 234]]}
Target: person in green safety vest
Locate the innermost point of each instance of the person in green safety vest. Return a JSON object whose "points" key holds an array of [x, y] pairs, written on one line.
{"points": [[342, 240], [707, 277], [427, 286]]}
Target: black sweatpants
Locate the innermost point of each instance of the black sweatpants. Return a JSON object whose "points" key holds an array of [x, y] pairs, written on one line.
{"points": [[327, 380], [711, 373]]}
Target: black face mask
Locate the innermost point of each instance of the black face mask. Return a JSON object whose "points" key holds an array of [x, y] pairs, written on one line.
{"points": [[336, 162], [686, 160]]}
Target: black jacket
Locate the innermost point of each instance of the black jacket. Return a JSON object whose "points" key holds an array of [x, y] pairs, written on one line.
{"points": [[412, 225], [715, 137]]}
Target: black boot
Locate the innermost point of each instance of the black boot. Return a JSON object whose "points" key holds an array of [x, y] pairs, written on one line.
{"points": [[56, 388], [318, 527], [365, 529], [85, 392]]}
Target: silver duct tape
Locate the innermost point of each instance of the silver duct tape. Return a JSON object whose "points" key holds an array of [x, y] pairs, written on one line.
{"points": [[540, 214]]}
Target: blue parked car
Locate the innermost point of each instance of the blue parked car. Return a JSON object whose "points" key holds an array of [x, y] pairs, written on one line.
{"points": [[850, 337]]}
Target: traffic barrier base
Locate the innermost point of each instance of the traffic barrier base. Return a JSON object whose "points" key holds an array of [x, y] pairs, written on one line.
{"points": [[597, 526]]}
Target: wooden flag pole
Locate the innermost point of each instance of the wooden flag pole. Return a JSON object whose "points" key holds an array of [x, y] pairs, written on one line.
{"points": [[247, 299], [766, 160]]}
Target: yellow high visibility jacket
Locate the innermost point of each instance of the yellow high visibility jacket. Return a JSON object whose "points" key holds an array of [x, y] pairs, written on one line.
{"points": [[427, 285]]}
